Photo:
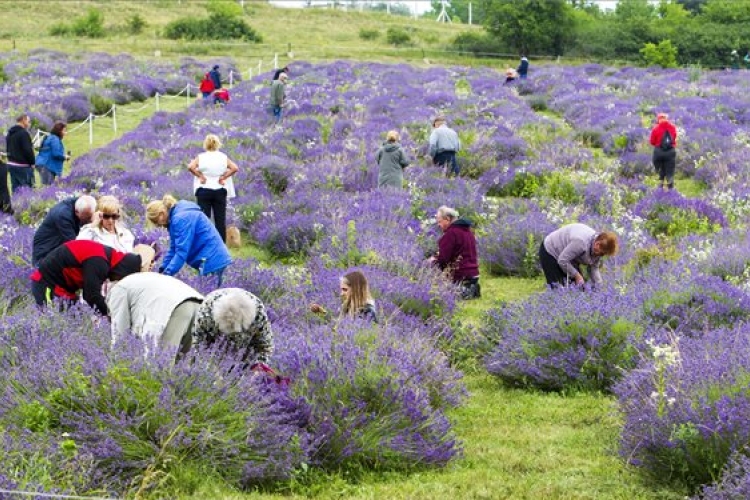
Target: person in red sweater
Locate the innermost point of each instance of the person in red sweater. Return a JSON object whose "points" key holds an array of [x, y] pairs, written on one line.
{"points": [[457, 251], [665, 155], [84, 265]]}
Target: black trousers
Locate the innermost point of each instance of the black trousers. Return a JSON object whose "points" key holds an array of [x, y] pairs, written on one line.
{"points": [[214, 201], [553, 273], [5, 205], [665, 163]]}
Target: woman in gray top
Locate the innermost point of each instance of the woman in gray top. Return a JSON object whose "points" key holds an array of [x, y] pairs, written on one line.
{"points": [[564, 251], [391, 162]]}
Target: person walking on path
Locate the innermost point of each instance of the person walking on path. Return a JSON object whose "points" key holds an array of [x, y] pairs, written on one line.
{"points": [[565, 250], [457, 251], [215, 77], [444, 144], [155, 307], [523, 68], [193, 240], [278, 96], [62, 224], [85, 265], [49, 162], [664, 140], [20, 152], [213, 184], [391, 162]]}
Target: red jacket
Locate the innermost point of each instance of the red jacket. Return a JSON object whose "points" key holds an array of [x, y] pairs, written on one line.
{"points": [[658, 131], [457, 250], [84, 264]]}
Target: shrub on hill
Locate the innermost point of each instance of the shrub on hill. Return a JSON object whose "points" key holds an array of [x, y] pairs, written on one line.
{"points": [[215, 27], [397, 37], [90, 26]]}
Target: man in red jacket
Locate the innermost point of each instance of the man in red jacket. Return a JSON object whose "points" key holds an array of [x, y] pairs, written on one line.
{"points": [[83, 265], [457, 251], [664, 141]]}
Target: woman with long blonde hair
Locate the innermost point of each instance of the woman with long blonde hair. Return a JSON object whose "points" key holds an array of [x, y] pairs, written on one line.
{"points": [[356, 300]]}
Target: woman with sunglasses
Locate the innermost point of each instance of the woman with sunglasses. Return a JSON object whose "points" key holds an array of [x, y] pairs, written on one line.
{"points": [[106, 227]]}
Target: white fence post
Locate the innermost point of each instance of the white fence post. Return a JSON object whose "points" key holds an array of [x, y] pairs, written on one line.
{"points": [[231, 79], [114, 118], [250, 74], [188, 94], [91, 128], [157, 101], [260, 63], [276, 61]]}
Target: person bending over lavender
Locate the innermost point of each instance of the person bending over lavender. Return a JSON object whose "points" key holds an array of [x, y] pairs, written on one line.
{"points": [[156, 307], [356, 300], [192, 238], [239, 318], [563, 251]]}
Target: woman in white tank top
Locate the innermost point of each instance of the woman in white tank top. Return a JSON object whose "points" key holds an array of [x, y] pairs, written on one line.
{"points": [[213, 184]]}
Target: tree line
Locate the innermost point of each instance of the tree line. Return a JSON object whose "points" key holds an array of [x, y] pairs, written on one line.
{"points": [[668, 33]]}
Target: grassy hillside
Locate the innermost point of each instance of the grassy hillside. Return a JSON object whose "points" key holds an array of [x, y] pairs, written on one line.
{"points": [[311, 34]]}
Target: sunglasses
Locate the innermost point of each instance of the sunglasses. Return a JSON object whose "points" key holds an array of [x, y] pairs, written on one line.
{"points": [[110, 216]]}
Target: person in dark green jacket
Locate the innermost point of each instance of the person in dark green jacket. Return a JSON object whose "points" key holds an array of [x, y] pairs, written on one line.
{"points": [[278, 96], [391, 162]]}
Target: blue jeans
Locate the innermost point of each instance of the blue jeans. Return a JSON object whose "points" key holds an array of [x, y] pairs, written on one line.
{"points": [[277, 113], [48, 177], [20, 176], [445, 158]]}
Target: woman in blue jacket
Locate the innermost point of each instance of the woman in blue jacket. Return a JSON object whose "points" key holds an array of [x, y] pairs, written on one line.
{"points": [[193, 239], [49, 161]]}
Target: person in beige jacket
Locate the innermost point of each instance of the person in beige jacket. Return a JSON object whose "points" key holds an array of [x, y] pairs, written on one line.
{"points": [[155, 307]]}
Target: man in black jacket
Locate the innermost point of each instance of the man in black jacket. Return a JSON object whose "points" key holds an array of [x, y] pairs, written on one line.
{"points": [[20, 154], [62, 224]]}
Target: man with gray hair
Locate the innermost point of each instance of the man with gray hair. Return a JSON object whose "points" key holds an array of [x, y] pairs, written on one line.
{"points": [[278, 96], [239, 318], [62, 224], [457, 251], [444, 144]]}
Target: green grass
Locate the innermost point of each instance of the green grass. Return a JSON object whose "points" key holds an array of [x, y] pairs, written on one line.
{"points": [[517, 445], [128, 118], [293, 34]]}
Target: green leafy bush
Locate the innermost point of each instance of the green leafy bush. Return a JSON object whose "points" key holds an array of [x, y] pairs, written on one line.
{"points": [[664, 54], [216, 27], [136, 24], [397, 37], [100, 104], [90, 26]]}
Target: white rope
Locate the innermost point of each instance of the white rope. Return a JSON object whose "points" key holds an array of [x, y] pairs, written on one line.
{"points": [[135, 110], [179, 94], [79, 125], [52, 495], [105, 114]]}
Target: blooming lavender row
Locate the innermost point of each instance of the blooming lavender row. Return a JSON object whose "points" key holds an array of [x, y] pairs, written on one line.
{"points": [[50, 85], [307, 195]]}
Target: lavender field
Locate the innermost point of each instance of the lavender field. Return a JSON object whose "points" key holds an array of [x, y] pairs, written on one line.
{"points": [[667, 338]]}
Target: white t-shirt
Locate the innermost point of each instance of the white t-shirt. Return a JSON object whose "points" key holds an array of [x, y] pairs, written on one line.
{"points": [[121, 240], [213, 164]]}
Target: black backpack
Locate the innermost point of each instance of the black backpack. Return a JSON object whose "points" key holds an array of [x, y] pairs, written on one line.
{"points": [[667, 142]]}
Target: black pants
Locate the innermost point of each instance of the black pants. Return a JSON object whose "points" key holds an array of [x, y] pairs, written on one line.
{"points": [[447, 159], [664, 163], [5, 205], [553, 273], [214, 201]]}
